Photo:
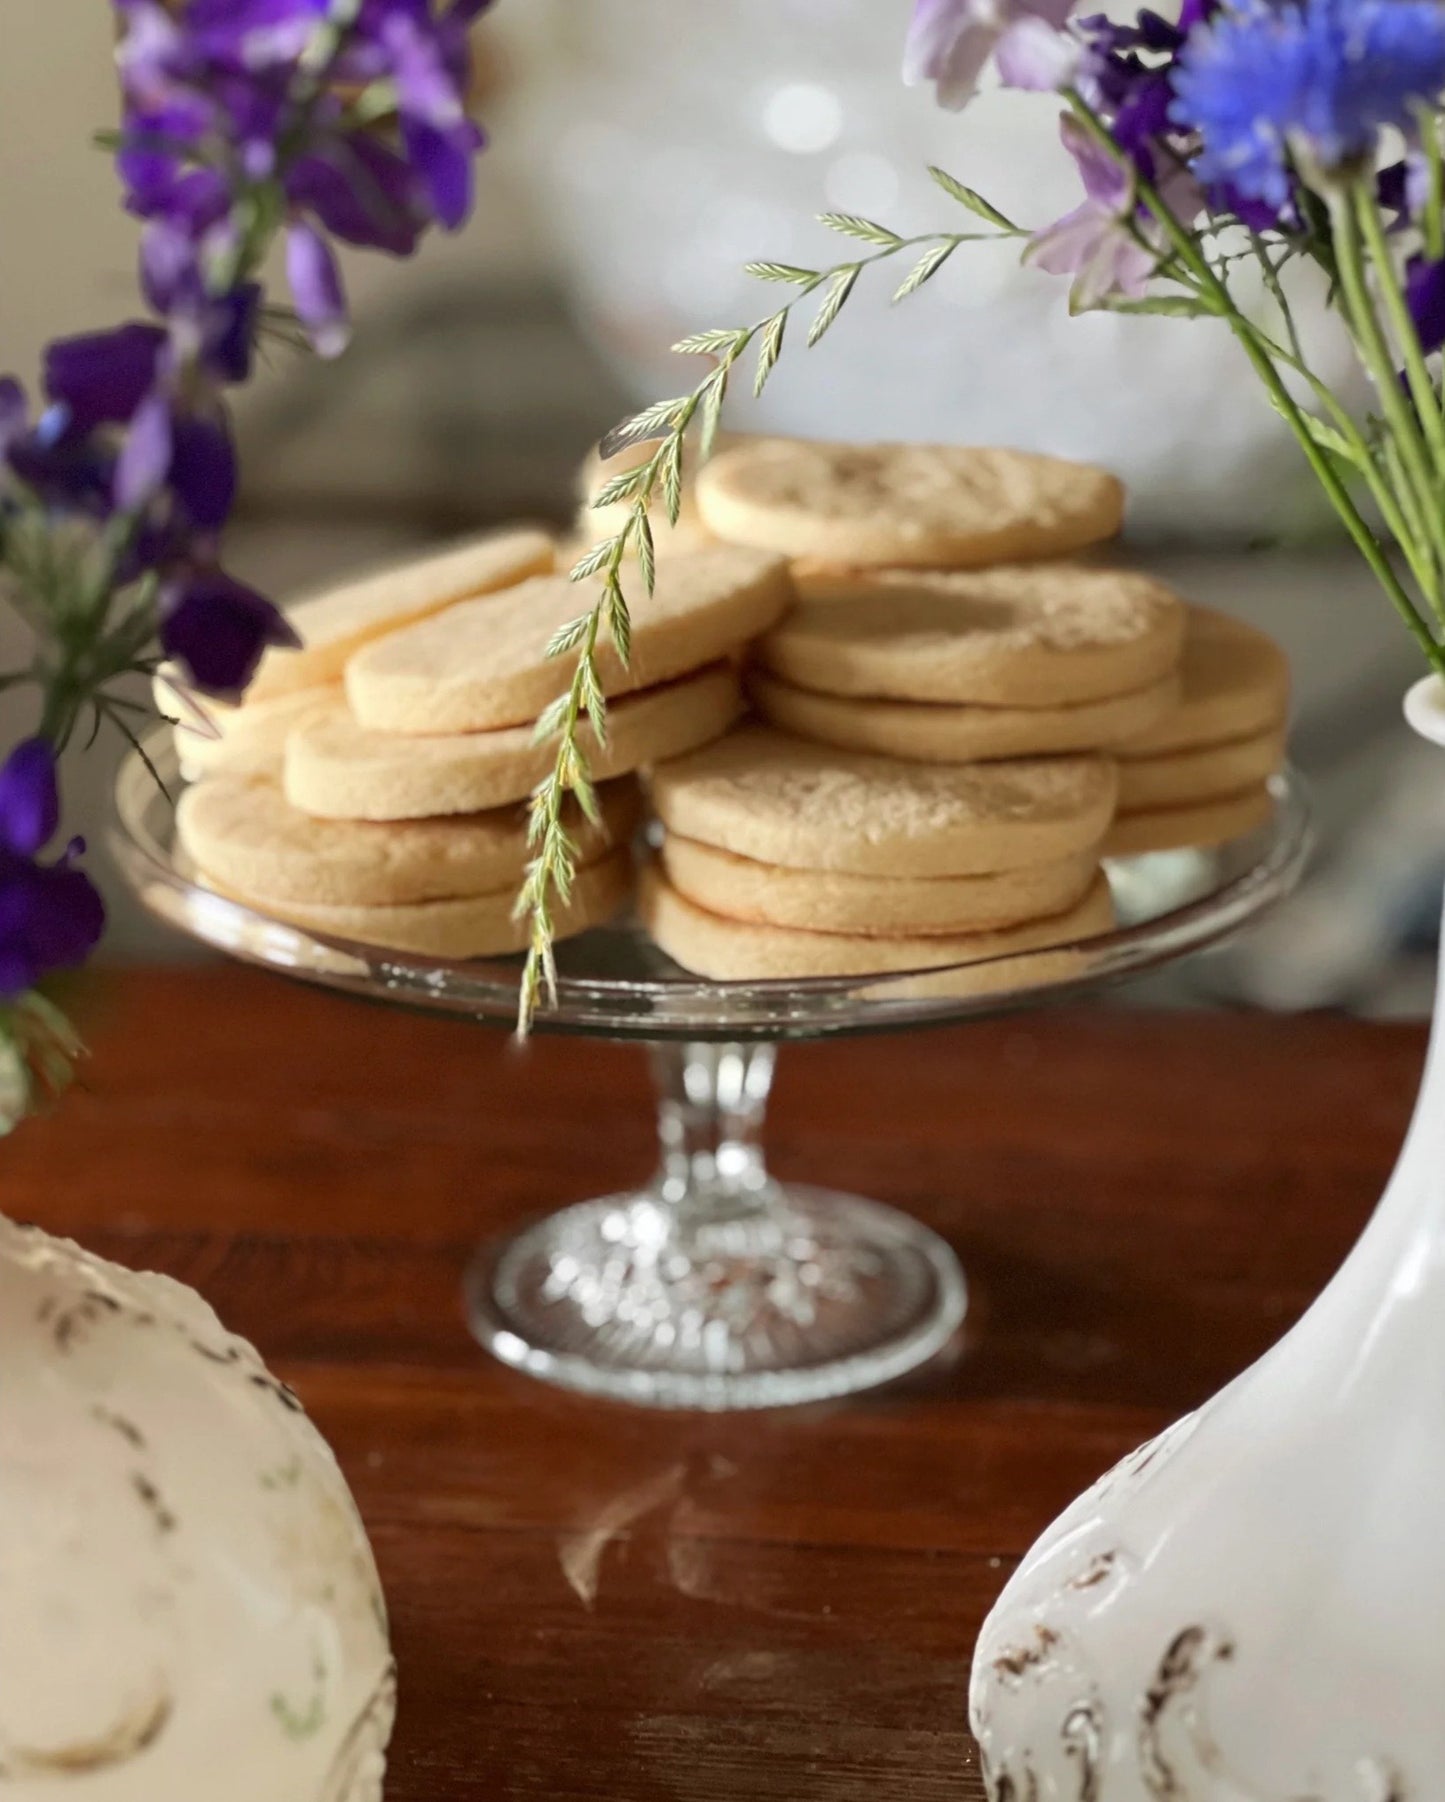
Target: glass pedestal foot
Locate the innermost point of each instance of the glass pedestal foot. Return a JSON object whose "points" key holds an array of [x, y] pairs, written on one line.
{"points": [[717, 1287]]}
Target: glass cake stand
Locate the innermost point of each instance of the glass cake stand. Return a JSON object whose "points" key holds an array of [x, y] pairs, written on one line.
{"points": [[714, 1285]]}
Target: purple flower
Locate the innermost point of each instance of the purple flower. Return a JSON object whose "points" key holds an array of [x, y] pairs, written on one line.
{"points": [[440, 139], [1317, 80], [1037, 58], [362, 192], [949, 41], [100, 378], [51, 916], [29, 798], [1106, 243], [1425, 296], [217, 630], [66, 471], [316, 289], [145, 458]]}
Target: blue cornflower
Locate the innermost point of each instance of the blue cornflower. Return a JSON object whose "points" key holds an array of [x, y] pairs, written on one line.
{"points": [[1318, 79]]}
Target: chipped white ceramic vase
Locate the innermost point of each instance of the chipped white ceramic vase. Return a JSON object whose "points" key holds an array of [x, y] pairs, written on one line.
{"points": [[189, 1609], [1252, 1607]]}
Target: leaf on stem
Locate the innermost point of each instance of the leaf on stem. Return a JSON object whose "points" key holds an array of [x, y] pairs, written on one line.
{"points": [[842, 285], [1164, 306], [623, 486], [785, 272], [975, 202], [1321, 432], [770, 348], [652, 422], [852, 225], [924, 270], [714, 343]]}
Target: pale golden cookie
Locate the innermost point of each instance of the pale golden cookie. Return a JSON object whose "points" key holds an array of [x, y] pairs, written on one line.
{"points": [[247, 740], [337, 623], [781, 800], [933, 732], [1204, 825], [242, 832], [908, 505], [737, 951], [484, 664], [1029, 635], [1236, 684], [1181, 778], [871, 906], [481, 926], [340, 770]]}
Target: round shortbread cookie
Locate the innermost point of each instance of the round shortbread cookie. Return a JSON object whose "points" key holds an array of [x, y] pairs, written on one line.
{"points": [[242, 831], [334, 625], [933, 732], [871, 906], [1029, 635], [1203, 826], [779, 800], [907, 505], [1235, 680], [484, 664], [249, 740], [338, 769], [738, 951], [481, 926], [1182, 778]]}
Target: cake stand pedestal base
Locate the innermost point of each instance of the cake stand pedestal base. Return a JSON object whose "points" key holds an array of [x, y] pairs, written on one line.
{"points": [[716, 1286]]}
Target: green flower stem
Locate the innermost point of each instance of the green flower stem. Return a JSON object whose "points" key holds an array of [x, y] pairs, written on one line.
{"points": [[1422, 388], [1422, 481], [1434, 220], [1187, 250]]}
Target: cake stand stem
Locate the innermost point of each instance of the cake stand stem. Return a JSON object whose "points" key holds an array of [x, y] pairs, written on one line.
{"points": [[712, 1101], [716, 1286]]}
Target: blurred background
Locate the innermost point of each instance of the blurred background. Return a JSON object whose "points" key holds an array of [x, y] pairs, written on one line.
{"points": [[642, 152]]}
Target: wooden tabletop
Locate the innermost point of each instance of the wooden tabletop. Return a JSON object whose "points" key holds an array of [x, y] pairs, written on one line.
{"points": [[595, 1602]]}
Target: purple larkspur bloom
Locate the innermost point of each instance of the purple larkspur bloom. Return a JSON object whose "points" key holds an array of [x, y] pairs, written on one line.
{"points": [[316, 288], [226, 74], [217, 89], [51, 916], [1037, 58], [1267, 83], [1425, 296], [1106, 243], [217, 629], [100, 378], [949, 41]]}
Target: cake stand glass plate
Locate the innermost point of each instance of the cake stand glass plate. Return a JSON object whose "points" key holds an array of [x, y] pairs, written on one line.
{"points": [[714, 1285]]}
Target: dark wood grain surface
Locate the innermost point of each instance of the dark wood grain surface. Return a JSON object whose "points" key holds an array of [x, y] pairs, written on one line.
{"points": [[594, 1602]]}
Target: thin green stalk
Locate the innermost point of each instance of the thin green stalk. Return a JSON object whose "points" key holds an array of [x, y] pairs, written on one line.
{"points": [[1400, 416], [1434, 220], [1388, 489], [551, 866], [1422, 388]]}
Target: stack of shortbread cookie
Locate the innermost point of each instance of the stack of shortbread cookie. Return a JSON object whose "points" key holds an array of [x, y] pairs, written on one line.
{"points": [[961, 711], [784, 858], [943, 672], [1198, 776], [396, 815]]}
